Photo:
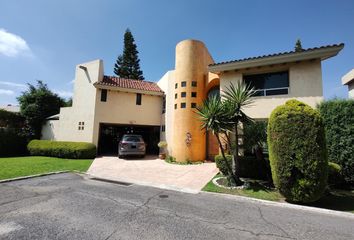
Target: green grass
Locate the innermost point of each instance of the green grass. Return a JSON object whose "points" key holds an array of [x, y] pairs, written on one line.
{"points": [[255, 191], [25, 166], [340, 200]]}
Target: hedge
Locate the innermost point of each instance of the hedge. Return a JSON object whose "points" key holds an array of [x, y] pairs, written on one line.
{"points": [[250, 167], [60, 149], [334, 175], [338, 117], [297, 152], [12, 143]]}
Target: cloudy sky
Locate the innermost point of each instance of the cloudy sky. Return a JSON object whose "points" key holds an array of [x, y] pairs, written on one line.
{"points": [[44, 40]]}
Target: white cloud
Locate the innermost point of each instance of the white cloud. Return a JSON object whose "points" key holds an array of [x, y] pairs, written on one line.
{"points": [[6, 92], [12, 84], [64, 94], [12, 45]]}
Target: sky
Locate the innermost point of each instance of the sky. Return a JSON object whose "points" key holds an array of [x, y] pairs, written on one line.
{"points": [[45, 40]]}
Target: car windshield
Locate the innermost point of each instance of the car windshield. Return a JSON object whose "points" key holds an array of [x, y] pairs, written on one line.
{"points": [[132, 138]]}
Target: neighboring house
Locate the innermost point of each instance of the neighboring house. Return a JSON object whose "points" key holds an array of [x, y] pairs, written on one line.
{"points": [[11, 108], [348, 79], [104, 108]]}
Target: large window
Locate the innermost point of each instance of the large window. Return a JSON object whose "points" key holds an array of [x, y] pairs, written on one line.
{"points": [[269, 83]]}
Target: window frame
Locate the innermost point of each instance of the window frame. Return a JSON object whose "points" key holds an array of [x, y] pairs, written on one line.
{"points": [[104, 94], [139, 98]]}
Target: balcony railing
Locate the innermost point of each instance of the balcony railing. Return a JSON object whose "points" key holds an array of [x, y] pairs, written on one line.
{"points": [[271, 91]]}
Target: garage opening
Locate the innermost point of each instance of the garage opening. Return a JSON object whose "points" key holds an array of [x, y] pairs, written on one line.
{"points": [[111, 134]]}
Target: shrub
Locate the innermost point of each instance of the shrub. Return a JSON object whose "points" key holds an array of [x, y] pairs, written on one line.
{"points": [[338, 118], [297, 151], [12, 143], [334, 174], [74, 150], [250, 167]]}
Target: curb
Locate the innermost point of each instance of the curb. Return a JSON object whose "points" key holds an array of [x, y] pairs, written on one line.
{"points": [[282, 204], [32, 176]]}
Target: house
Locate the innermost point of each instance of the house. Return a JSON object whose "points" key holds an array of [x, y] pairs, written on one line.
{"points": [[104, 107], [348, 79]]}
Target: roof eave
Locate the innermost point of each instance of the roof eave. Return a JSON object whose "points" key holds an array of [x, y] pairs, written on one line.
{"points": [[348, 78], [322, 54], [132, 90]]}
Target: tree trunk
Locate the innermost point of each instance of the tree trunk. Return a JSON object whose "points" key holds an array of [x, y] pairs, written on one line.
{"points": [[235, 158]]}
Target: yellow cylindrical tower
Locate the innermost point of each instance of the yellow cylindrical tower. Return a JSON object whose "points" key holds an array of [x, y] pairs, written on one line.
{"points": [[192, 60]]}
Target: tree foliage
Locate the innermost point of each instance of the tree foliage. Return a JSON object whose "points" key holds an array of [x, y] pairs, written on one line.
{"points": [[338, 117], [297, 151], [128, 64], [36, 104], [298, 46]]}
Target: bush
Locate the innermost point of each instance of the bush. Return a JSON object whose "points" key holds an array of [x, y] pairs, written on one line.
{"points": [[338, 118], [297, 152], [12, 143], [250, 167], [74, 150], [334, 174]]}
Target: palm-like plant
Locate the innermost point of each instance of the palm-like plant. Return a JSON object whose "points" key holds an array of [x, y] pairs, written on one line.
{"points": [[236, 99], [214, 118]]}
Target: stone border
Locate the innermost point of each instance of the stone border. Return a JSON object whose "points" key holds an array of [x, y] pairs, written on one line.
{"points": [[225, 187], [32, 176]]}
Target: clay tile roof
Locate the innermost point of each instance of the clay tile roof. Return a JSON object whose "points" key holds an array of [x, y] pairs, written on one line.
{"points": [[112, 81], [279, 54]]}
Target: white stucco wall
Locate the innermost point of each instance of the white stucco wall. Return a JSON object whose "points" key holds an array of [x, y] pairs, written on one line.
{"points": [[351, 90], [166, 83], [50, 130], [305, 84]]}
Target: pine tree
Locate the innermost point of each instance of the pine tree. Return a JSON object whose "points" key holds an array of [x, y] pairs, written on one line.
{"points": [[298, 46], [128, 64]]}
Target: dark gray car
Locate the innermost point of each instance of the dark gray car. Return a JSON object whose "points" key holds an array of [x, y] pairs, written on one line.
{"points": [[132, 145]]}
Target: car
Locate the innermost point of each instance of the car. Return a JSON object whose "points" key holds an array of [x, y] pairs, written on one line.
{"points": [[131, 145]]}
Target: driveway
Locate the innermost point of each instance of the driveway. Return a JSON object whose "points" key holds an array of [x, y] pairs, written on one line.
{"points": [[151, 171], [71, 206]]}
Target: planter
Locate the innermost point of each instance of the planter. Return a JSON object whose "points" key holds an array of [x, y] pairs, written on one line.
{"points": [[162, 156]]}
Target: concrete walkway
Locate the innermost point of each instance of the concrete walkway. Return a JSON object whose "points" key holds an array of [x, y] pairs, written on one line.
{"points": [[154, 172]]}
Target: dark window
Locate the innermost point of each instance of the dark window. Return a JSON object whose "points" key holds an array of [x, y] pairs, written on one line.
{"points": [[163, 128], [176, 85], [183, 94], [194, 94], [176, 95], [183, 105], [163, 104], [194, 83], [269, 83], [176, 106], [193, 105], [104, 95], [215, 91], [183, 84], [138, 99]]}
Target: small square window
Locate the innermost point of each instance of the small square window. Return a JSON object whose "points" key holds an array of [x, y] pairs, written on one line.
{"points": [[79, 123], [176, 85], [176, 106], [176, 95], [194, 83], [183, 84], [82, 123], [183, 105], [194, 94], [82, 128], [193, 105], [79, 127], [183, 94]]}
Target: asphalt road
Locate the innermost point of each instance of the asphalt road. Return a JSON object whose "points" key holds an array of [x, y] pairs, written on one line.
{"points": [[70, 206]]}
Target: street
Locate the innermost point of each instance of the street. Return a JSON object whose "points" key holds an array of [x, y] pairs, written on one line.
{"points": [[71, 206]]}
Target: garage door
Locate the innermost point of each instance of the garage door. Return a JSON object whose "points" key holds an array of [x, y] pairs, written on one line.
{"points": [[111, 134]]}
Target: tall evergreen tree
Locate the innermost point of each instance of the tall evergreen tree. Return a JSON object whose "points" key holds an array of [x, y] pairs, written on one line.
{"points": [[128, 64], [298, 46]]}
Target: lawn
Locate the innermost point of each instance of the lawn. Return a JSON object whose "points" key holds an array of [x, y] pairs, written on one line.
{"points": [[24, 166], [340, 200]]}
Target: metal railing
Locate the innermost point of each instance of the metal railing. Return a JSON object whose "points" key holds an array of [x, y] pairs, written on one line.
{"points": [[271, 91]]}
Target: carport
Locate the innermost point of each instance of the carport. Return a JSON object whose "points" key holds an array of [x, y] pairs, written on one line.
{"points": [[111, 134]]}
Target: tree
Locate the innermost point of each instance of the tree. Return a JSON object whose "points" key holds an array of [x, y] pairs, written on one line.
{"points": [[236, 99], [36, 104], [224, 117], [128, 64], [298, 46]]}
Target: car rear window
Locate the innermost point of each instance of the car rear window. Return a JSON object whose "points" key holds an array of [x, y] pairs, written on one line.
{"points": [[132, 139]]}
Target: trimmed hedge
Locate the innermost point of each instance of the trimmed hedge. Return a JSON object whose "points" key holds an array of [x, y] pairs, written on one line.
{"points": [[297, 152], [334, 174], [60, 149], [250, 167], [338, 117]]}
